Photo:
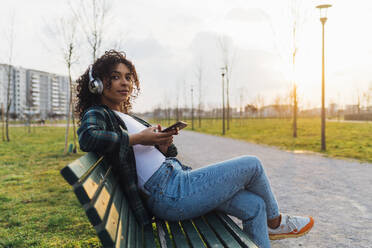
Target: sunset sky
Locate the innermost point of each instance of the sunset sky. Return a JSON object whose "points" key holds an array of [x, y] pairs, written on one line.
{"points": [[166, 39]]}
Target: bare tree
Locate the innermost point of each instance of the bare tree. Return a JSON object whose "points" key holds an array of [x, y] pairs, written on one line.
{"points": [[199, 76], [9, 75], [277, 105], [2, 123], [251, 109], [167, 107], [192, 107], [223, 100], [228, 56], [368, 97], [297, 15], [241, 107], [92, 16], [64, 34], [8, 97], [297, 18], [259, 102], [178, 111], [185, 102], [69, 58], [358, 96]]}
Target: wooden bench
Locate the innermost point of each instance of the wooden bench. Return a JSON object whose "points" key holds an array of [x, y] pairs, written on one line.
{"points": [[108, 211]]}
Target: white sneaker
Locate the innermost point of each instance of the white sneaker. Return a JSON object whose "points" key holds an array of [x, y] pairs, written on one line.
{"points": [[291, 227]]}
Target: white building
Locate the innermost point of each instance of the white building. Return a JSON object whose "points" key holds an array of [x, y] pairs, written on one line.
{"points": [[49, 94], [40, 94]]}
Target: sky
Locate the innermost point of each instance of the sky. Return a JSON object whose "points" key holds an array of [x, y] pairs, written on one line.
{"points": [[169, 40]]}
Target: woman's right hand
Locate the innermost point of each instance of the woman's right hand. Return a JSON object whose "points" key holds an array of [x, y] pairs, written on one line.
{"points": [[150, 136]]}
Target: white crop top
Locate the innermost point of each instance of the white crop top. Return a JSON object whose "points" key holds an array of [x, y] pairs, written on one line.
{"points": [[148, 158]]}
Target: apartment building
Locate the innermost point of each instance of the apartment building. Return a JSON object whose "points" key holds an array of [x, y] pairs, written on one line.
{"points": [[40, 94]]}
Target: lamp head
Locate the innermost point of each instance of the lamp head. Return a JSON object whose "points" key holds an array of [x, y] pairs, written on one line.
{"points": [[323, 10], [223, 70]]}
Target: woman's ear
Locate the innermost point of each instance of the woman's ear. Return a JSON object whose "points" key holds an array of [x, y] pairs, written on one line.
{"points": [[105, 82]]}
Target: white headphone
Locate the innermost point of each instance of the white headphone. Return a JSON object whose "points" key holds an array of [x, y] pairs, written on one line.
{"points": [[95, 85]]}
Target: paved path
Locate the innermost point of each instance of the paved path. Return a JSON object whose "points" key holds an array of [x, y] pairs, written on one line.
{"points": [[338, 193]]}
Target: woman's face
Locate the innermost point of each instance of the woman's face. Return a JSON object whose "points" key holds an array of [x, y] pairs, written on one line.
{"points": [[121, 87]]}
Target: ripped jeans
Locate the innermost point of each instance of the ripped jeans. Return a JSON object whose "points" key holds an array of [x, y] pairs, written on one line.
{"points": [[237, 187]]}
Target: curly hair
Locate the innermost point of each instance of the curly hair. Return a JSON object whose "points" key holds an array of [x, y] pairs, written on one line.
{"points": [[102, 69]]}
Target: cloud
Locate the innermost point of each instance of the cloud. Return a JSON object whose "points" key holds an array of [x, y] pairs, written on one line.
{"points": [[147, 48], [251, 15]]}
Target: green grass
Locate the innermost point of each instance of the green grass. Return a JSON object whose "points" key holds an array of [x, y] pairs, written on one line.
{"points": [[37, 207], [33, 122], [344, 140]]}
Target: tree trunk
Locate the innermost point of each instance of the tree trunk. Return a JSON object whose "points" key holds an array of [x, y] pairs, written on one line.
{"points": [[67, 128], [2, 123], [199, 117], [228, 101], [29, 121], [7, 121], [74, 127], [8, 103], [70, 107], [294, 111], [223, 105], [192, 109]]}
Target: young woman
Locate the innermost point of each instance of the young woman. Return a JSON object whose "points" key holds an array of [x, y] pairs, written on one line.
{"points": [[154, 181]]}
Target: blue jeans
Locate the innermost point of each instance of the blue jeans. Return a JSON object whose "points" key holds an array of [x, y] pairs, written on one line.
{"points": [[238, 187]]}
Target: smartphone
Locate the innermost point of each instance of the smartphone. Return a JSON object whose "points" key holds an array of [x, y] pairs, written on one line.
{"points": [[179, 124]]}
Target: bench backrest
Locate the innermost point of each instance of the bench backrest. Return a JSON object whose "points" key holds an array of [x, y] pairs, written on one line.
{"points": [[103, 201]]}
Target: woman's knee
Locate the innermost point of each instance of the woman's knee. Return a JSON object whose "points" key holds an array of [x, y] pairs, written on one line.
{"points": [[252, 161]]}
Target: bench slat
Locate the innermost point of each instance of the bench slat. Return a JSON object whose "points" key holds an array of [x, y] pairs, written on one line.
{"points": [[208, 235], [163, 234], [192, 234], [235, 230], [131, 231], [121, 239], [226, 238], [148, 236], [108, 229], [139, 236], [178, 236], [86, 190], [75, 170], [96, 209]]}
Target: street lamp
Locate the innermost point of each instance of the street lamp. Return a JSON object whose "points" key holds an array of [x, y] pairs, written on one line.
{"points": [[323, 18], [223, 71]]}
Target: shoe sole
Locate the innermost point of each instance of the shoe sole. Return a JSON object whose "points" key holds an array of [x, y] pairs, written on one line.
{"points": [[306, 229]]}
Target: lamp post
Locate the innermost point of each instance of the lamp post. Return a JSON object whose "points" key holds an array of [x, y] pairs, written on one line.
{"points": [[223, 99], [323, 18], [192, 107], [227, 98]]}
